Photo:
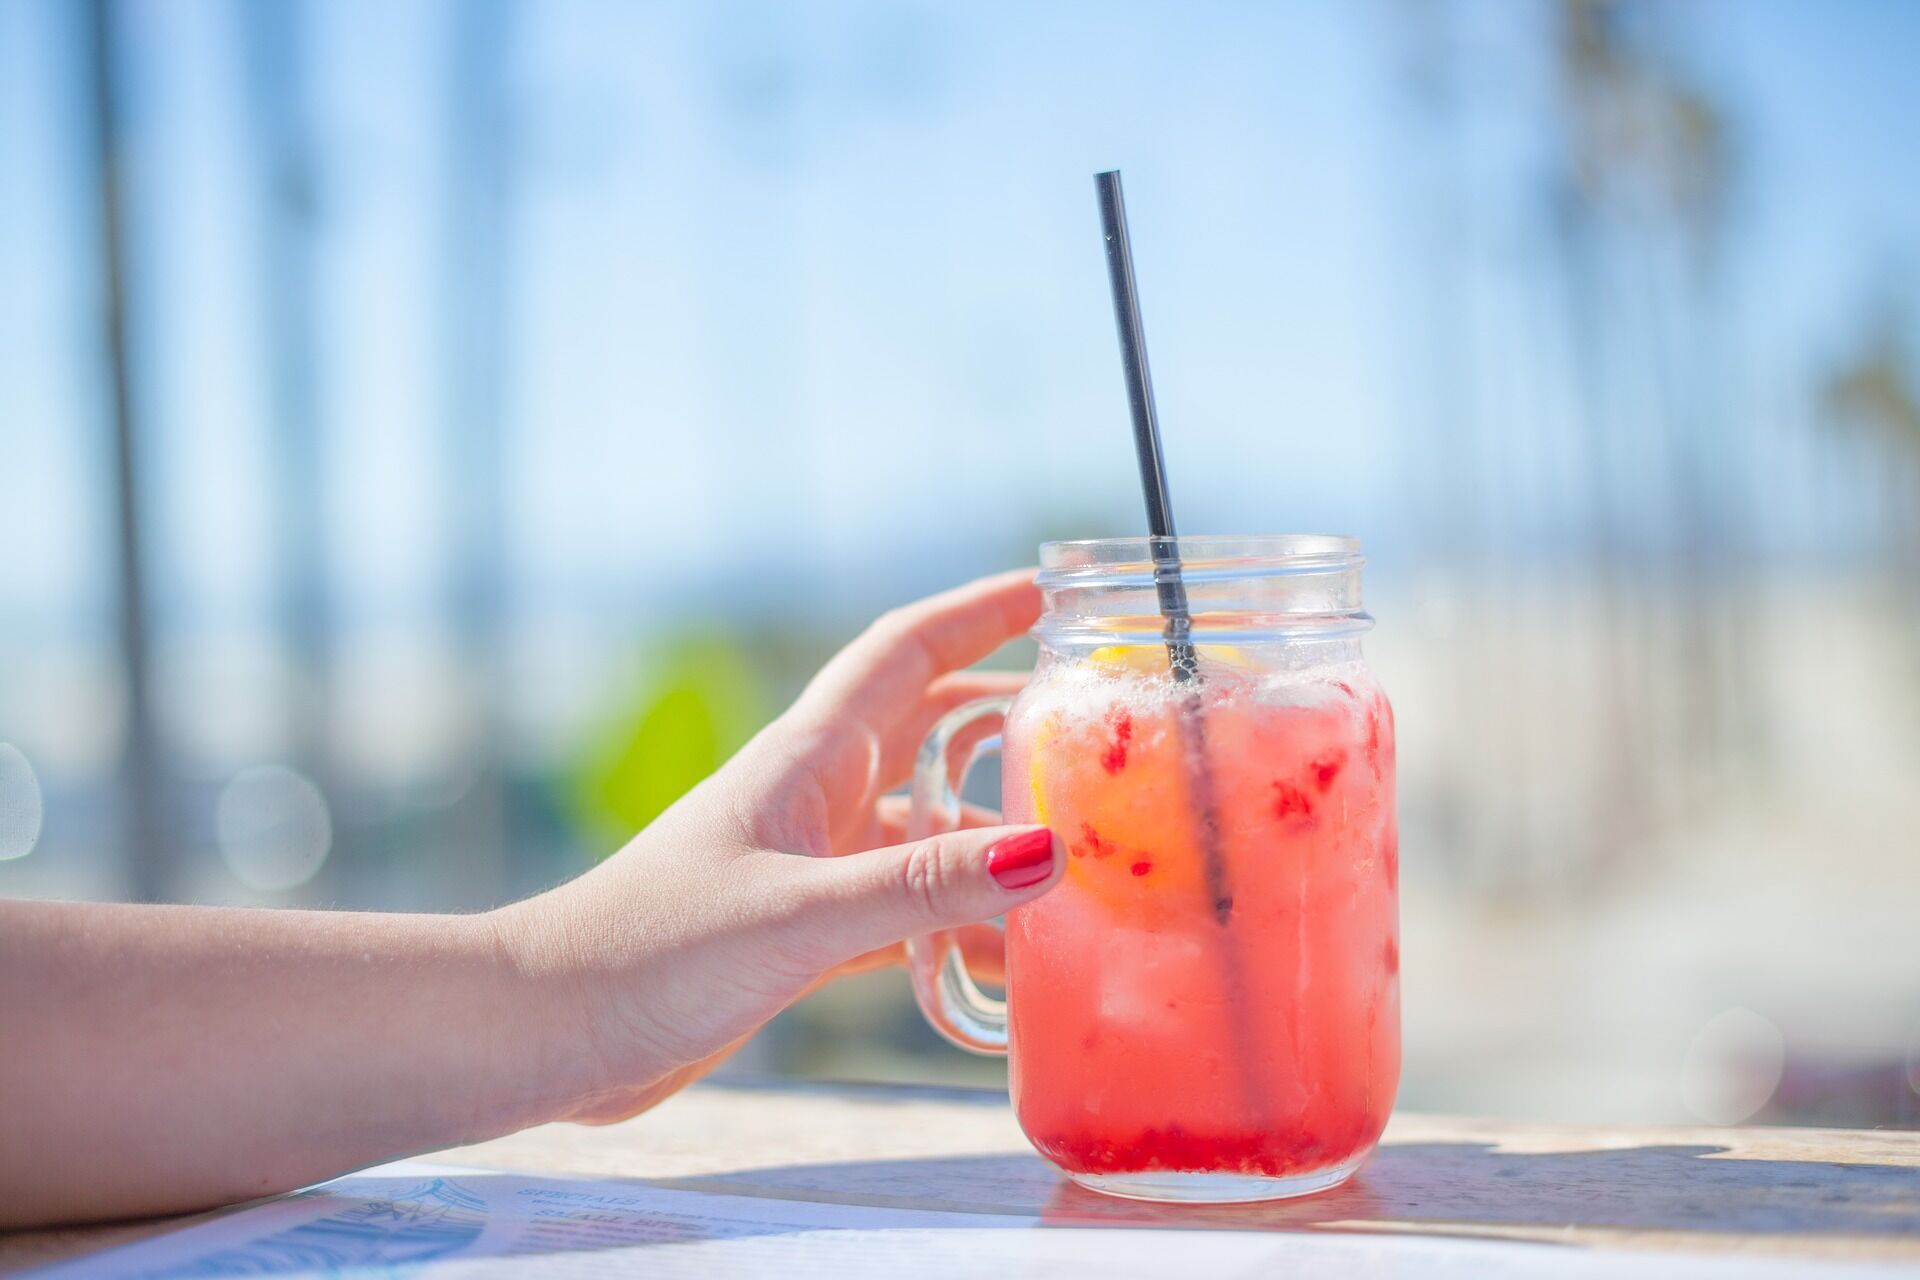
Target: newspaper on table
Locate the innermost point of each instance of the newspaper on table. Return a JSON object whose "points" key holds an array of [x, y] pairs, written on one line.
{"points": [[419, 1219]]}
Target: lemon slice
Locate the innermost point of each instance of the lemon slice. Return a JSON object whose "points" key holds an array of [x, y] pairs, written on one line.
{"points": [[1151, 659], [1043, 735], [1143, 659]]}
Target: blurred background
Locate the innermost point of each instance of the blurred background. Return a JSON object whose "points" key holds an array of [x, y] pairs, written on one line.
{"points": [[433, 436]]}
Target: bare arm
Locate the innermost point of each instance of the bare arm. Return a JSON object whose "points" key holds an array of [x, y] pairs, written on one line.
{"points": [[164, 1058], [157, 1059]]}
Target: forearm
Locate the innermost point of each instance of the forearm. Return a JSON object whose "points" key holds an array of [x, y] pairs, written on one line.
{"points": [[156, 1059]]}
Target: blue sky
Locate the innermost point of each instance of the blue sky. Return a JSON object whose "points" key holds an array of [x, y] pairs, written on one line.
{"points": [[806, 292]]}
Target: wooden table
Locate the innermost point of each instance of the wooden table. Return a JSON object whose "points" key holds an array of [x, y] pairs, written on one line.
{"points": [[1805, 1193]]}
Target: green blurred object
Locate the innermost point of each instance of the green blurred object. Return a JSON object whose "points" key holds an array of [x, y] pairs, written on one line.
{"points": [[700, 703]]}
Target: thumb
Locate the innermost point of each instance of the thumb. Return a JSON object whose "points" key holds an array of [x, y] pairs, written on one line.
{"points": [[868, 900]]}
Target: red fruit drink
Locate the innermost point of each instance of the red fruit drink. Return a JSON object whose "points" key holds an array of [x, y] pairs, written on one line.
{"points": [[1151, 1039]]}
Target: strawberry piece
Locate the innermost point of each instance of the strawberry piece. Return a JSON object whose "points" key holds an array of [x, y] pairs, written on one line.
{"points": [[1114, 758], [1290, 801], [1091, 843]]}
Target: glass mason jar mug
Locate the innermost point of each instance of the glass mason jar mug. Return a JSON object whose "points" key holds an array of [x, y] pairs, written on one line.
{"points": [[1207, 1007]]}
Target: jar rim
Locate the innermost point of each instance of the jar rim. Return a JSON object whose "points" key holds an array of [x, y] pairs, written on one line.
{"points": [[1126, 559], [1238, 586]]}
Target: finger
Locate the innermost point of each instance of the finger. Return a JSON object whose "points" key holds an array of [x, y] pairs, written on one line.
{"points": [[888, 825], [835, 736], [869, 900], [891, 818], [882, 675], [955, 689], [982, 946], [867, 961]]}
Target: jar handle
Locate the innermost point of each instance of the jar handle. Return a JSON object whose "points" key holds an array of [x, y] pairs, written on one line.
{"points": [[949, 998]]}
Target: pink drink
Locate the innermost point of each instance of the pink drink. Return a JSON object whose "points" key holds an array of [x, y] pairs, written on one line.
{"points": [[1147, 1036]]}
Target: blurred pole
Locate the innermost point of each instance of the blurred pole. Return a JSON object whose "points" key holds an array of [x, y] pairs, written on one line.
{"points": [[475, 288], [1707, 130], [276, 88], [149, 848], [1587, 86], [1643, 215], [1875, 389]]}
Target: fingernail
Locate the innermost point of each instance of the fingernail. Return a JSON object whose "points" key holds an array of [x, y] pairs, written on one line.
{"points": [[1021, 860]]}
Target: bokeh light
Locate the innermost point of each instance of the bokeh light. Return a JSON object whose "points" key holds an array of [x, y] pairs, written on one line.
{"points": [[274, 827], [1732, 1067], [20, 806]]}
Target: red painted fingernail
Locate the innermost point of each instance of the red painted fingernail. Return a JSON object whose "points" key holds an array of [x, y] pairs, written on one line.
{"points": [[1021, 860]]}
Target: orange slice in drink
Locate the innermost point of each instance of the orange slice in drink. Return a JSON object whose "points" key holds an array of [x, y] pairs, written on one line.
{"points": [[1114, 786], [1150, 658]]}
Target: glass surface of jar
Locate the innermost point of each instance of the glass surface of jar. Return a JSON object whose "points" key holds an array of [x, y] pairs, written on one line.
{"points": [[1206, 1008]]}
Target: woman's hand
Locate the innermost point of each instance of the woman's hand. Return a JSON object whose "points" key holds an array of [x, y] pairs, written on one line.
{"points": [[782, 868]]}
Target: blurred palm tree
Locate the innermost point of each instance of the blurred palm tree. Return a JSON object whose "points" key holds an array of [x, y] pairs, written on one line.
{"points": [[1874, 390], [150, 845], [1641, 205], [275, 67], [1644, 638], [476, 273]]}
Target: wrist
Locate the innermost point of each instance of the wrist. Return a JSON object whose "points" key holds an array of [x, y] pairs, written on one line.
{"points": [[544, 1030]]}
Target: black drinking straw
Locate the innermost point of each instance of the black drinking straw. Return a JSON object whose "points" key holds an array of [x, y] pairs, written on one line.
{"points": [[1168, 583]]}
